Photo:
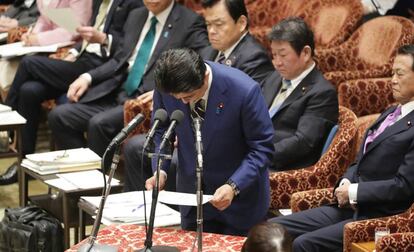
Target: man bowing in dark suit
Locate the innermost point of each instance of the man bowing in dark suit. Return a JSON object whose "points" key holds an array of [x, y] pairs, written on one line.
{"points": [[380, 182], [303, 105], [97, 97], [231, 43], [39, 78], [237, 139]]}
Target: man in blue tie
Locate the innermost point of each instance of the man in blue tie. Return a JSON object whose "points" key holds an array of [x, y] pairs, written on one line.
{"points": [[303, 105], [379, 183], [97, 97]]}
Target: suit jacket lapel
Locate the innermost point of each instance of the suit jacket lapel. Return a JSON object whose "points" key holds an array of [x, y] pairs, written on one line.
{"points": [[217, 99], [271, 88], [300, 90], [233, 57], [401, 125], [112, 9], [167, 31]]}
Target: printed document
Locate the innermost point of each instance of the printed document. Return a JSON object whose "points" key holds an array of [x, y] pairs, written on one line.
{"points": [[182, 199], [63, 17]]}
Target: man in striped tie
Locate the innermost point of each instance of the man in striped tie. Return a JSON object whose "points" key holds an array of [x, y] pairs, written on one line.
{"points": [[303, 105]]}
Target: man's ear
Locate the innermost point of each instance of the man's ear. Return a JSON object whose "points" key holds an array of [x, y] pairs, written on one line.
{"points": [[242, 23], [307, 52]]}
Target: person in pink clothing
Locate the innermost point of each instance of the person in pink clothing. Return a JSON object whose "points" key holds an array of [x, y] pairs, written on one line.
{"points": [[45, 32]]}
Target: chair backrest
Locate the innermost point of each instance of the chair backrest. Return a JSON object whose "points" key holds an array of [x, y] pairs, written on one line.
{"points": [[329, 139], [332, 21], [366, 96], [326, 172]]}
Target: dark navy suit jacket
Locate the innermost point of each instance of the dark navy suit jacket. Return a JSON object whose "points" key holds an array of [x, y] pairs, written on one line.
{"points": [[237, 138], [248, 56], [303, 121], [385, 172]]}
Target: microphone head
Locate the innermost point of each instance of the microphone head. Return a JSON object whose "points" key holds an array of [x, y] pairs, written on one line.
{"points": [[161, 115], [177, 116]]}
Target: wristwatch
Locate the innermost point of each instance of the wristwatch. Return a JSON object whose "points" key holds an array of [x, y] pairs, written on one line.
{"points": [[233, 185]]}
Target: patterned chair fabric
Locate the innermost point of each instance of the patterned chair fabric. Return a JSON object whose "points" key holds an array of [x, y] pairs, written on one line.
{"points": [[311, 199], [131, 109], [364, 231], [396, 242], [366, 54], [263, 14], [332, 21], [325, 172], [366, 96]]}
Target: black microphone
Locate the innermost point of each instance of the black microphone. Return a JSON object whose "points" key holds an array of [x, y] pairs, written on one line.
{"points": [[126, 130], [160, 117], [198, 141], [176, 117]]}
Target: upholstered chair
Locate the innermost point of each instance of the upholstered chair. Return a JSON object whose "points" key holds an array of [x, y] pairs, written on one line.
{"points": [[366, 96], [369, 52], [325, 172]]}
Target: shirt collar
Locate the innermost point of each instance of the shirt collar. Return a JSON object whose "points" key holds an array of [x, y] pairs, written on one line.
{"points": [[231, 48], [210, 80], [162, 16], [406, 109], [302, 76]]}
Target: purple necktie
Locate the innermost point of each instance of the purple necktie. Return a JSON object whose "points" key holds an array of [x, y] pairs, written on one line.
{"points": [[389, 120]]}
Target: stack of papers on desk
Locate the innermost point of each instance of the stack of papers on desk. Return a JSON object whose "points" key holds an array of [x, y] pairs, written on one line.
{"points": [[80, 180], [129, 208], [9, 117], [62, 161]]}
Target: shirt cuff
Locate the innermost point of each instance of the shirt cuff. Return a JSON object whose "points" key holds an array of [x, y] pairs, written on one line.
{"points": [[86, 77], [352, 193], [343, 181], [162, 172], [74, 52], [108, 46]]}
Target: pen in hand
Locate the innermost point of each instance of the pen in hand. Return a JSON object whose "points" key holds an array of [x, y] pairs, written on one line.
{"points": [[26, 37]]}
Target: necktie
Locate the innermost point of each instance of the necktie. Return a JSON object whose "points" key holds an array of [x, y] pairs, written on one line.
{"points": [[199, 109], [103, 10], [221, 58], [138, 68], [388, 121], [280, 98]]}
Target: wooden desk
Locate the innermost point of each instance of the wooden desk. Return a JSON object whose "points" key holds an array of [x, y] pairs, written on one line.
{"points": [[363, 247], [132, 237], [64, 207]]}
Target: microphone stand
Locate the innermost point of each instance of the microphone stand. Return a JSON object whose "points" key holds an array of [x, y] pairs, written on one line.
{"points": [[155, 191], [199, 175], [91, 246]]}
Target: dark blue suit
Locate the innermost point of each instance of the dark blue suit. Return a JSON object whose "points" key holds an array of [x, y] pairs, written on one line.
{"points": [[237, 138], [385, 178]]}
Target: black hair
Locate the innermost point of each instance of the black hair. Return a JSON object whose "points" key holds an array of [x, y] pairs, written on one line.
{"points": [[407, 50], [268, 237], [295, 31], [179, 71], [236, 8]]}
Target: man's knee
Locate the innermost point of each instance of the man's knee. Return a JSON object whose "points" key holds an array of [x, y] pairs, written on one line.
{"points": [[301, 243]]}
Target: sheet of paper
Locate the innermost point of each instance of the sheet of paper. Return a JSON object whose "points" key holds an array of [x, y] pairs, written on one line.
{"points": [[18, 49], [4, 108], [11, 117], [86, 179], [182, 199], [285, 212], [63, 17], [71, 156], [62, 184]]}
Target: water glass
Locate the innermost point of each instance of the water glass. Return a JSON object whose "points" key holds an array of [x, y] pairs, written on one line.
{"points": [[380, 232]]}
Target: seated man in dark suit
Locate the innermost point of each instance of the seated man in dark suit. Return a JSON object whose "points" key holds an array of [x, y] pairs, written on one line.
{"points": [[231, 44], [303, 105], [40, 78], [380, 182], [97, 98]]}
